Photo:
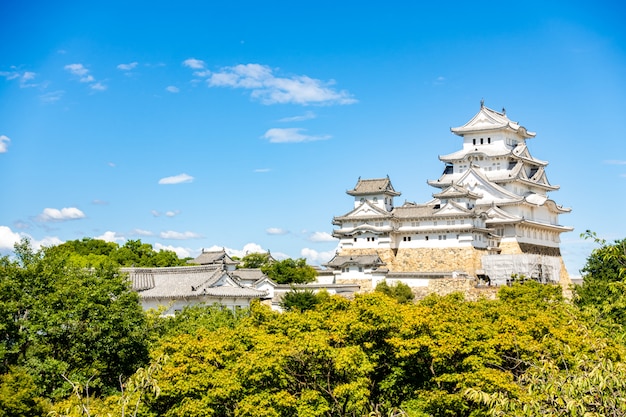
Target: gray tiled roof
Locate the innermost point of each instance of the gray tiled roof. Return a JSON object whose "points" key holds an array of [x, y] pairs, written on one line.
{"points": [[373, 186], [247, 274], [213, 257], [187, 282], [365, 260]]}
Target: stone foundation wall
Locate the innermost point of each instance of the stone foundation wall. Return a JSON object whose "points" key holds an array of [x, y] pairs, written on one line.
{"points": [[437, 260], [426, 259], [366, 284], [447, 260]]}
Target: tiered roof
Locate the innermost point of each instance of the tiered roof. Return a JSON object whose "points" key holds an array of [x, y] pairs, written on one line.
{"points": [[373, 186], [490, 120]]}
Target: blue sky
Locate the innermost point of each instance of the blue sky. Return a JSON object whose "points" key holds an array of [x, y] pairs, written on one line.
{"points": [[195, 125]]}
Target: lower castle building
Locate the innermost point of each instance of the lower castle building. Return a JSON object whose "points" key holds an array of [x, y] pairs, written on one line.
{"points": [[490, 217]]}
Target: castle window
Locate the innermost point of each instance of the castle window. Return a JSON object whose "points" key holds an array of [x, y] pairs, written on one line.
{"points": [[355, 239], [488, 140], [474, 141], [481, 141], [375, 199], [360, 269], [426, 237]]}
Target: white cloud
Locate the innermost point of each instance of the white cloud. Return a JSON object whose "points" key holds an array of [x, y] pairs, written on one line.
{"points": [[8, 238], [98, 86], [176, 179], [322, 237], [270, 89], [77, 69], [194, 63], [291, 135], [127, 67], [22, 77], [170, 234], [306, 116], [180, 251], [172, 89], [52, 96], [276, 231], [155, 213], [67, 213], [109, 236], [4, 143], [262, 170], [316, 258], [142, 232], [47, 242], [172, 213], [202, 74], [80, 71]]}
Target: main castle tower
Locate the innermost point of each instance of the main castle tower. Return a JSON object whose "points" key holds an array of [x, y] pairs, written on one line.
{"points": [[490, 216]]}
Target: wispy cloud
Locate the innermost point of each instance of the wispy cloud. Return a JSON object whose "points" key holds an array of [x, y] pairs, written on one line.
{"points": [[100, 202], [276, 231], [306, 116], [4, 143], [262, 170], [193, 63], [52, 96], [321, 237], [127, 67], [172, 89], [176, 179], [271, 89], [172, 213], [615, 162], [291, 135], [439, 80], [56, 215], [170, 234], [141, 232], [84, 76], [98, 86], [23, 77]]}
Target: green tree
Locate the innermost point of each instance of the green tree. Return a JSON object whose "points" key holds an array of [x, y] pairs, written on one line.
{"points": [[255, 260], [603, 291], [299, 299], [399, 291], [62, 320], [290, 271]]}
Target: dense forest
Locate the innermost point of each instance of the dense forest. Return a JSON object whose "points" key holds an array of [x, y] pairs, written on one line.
{"points": [[74, 341]]}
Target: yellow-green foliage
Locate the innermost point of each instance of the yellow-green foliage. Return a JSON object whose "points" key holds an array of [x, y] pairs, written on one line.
{"points": [[527, 353]]}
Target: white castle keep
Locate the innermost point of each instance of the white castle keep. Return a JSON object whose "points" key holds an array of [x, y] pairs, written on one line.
{"points": [[490, 217]]}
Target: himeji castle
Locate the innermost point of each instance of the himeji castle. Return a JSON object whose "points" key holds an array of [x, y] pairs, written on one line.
{"points": [[490, 217]]}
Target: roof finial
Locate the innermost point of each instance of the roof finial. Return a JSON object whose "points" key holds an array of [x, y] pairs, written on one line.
{"points": [[503, 111], [482, 103]]}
